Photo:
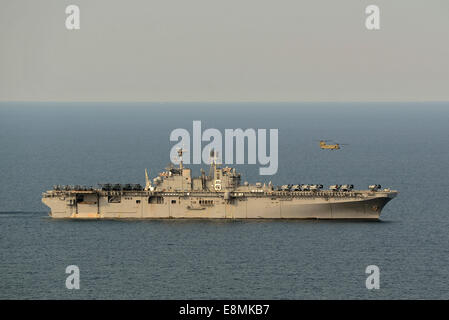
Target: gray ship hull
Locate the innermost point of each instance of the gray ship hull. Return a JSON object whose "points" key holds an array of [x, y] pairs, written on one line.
{"points": [[273, 205]]}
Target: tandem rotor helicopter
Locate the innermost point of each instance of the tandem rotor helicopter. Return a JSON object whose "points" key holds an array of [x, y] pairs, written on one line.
{"points": [[325, 146]]}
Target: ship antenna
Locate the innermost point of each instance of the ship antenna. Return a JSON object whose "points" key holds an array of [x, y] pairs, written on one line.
{"points": [[213, 156], [181, 151], [147, 181]]}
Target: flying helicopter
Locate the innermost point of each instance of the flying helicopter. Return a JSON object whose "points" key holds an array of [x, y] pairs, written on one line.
{"points": [[335, 146]]}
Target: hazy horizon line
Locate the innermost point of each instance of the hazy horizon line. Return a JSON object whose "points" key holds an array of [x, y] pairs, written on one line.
{"points": [[224, 101]]}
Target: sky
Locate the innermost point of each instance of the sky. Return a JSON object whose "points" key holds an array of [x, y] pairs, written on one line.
{"points": [[224, 50]]}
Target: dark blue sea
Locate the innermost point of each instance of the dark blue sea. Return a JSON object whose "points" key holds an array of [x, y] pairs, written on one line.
{"points": [[404, 146]]}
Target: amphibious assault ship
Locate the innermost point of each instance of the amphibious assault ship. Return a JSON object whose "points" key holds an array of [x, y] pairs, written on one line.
{"points": [[218, 195]]}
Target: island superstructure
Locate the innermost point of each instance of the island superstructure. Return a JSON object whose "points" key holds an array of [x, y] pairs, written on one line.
{"points": [[217, 195]]}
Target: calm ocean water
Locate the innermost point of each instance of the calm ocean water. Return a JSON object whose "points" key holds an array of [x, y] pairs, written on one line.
{"points": [[401, 145]]}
